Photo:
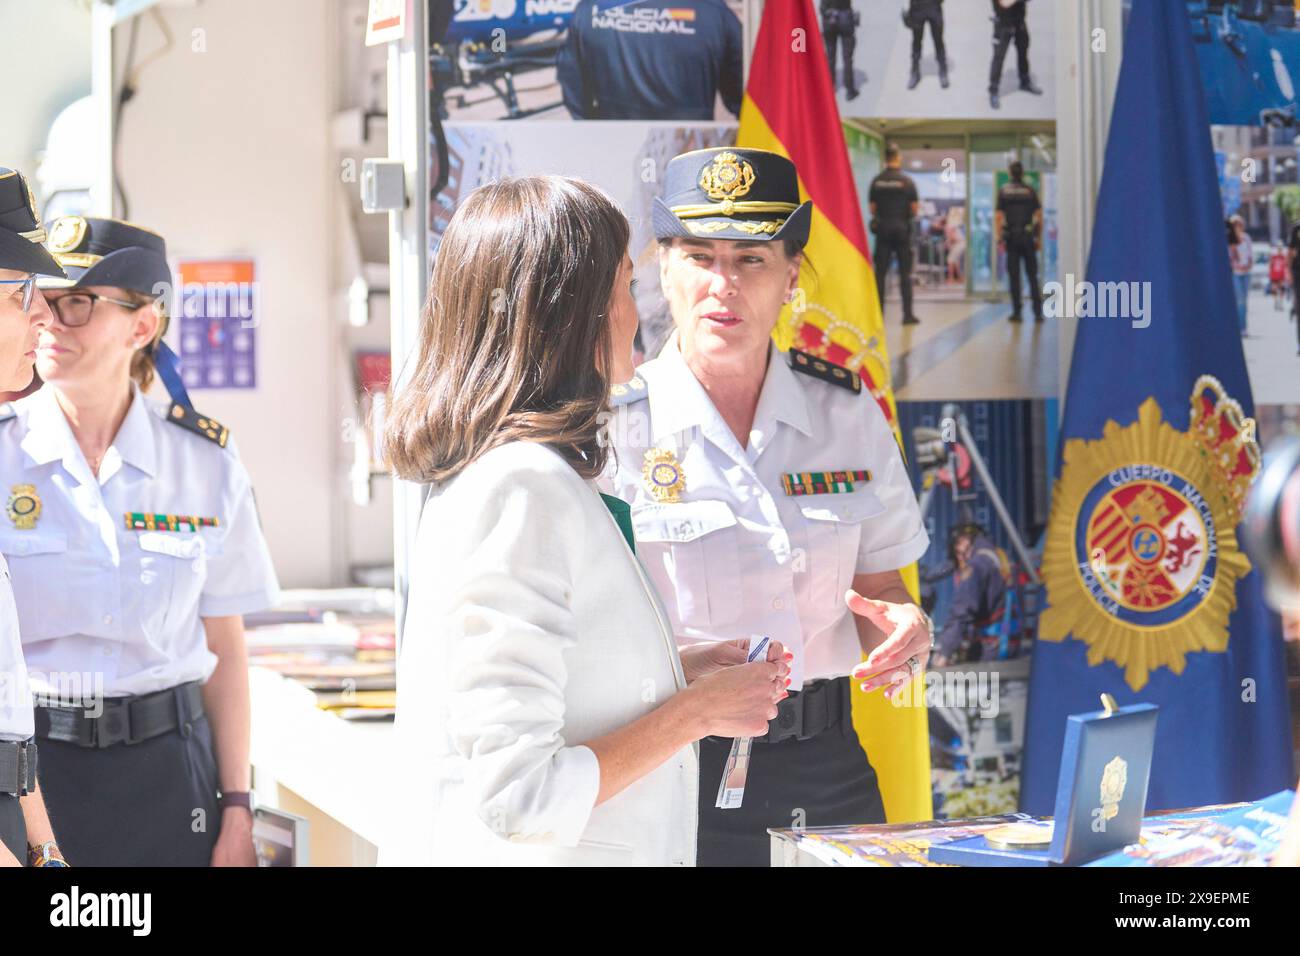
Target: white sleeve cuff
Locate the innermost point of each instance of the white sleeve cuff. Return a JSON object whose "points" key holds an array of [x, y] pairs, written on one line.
{"points": [[219, 605], [573, 784]]}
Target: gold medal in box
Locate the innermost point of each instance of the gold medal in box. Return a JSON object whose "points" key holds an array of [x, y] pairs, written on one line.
{"points": [[1020, 836]]}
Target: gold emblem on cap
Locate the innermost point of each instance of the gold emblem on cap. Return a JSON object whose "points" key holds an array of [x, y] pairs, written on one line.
{"points": [[66, 233], [727, 177], [663, 475], [24, 506]]}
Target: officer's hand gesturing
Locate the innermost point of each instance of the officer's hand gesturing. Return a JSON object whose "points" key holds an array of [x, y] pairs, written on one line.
{"points": [[908, 639]]}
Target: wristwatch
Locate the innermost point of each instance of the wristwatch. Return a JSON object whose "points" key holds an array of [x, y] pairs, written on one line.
{"points": [[47, 854], [236, 798]]}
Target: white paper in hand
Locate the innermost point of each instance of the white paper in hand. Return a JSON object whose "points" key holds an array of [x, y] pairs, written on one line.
{"points": [[731, 788]]}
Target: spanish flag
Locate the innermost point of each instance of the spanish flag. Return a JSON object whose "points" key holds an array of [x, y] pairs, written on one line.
{"points": [[790, 109]]}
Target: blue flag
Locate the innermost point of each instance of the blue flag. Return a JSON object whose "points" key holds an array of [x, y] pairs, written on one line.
{"points": [[1150, 596]]}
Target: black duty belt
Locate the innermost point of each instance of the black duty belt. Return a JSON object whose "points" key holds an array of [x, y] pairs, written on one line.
{"points": [[822, 705], [17, 767], [123, 720]]}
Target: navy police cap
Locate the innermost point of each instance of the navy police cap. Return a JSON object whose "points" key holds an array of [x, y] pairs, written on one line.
{"points": [[109, 252], [732, 193], [21, 234]]}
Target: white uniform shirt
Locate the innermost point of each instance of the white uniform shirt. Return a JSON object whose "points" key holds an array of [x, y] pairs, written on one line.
{"points": [[736, 556], [98, 601], [15, 695]]}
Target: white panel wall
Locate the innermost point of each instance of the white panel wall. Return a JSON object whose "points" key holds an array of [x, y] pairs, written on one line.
{"points": [[225, 150]]}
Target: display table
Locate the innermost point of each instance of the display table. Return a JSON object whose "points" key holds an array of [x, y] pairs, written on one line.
{"points": [[310, 762], [1194, 837]]}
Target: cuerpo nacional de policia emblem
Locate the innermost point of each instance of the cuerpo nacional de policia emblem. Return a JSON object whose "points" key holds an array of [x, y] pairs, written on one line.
{"points": [[728, 177], [663, 476], [1142, 559], [24, 506]]}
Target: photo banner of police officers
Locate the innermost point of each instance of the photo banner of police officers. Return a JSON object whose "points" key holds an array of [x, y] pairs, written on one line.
{"points": [[587, 59], [942, 58], [963, 229]]}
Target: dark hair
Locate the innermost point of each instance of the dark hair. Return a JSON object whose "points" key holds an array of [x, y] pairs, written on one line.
{"points": [[891, 152], [515, 342], [1017, 170]]}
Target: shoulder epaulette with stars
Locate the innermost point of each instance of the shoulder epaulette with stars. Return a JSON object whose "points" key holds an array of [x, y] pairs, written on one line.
{"points": [[201, 425], [826, 371], [628, 392]]}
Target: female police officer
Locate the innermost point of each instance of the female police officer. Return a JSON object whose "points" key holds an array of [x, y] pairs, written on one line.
{"points": [[763, 487], [135, 552], [23, 316]]}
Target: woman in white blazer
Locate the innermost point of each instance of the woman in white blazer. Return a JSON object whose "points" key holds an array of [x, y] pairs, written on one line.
{"points": [[542, 715]]}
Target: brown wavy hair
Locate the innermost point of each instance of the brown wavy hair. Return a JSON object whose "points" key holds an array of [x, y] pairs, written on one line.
{"points": [[514, 338]]}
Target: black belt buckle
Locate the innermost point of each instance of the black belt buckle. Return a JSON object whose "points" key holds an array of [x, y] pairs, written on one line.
{"points": [[788, 721], [113, 726]]}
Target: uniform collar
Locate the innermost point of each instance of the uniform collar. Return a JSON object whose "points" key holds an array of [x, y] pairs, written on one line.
{"points": [[49, 436], [135, 439], [678, 401], [783, 398]]}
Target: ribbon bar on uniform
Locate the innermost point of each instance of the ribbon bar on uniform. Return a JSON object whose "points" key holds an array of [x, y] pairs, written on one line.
{"points": [[823, 482]]}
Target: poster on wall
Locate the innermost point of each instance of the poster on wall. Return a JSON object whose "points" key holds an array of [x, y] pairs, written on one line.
{"points": [[981, 470], [937, 59], [218, 319], [957, 270], [677, 60]]}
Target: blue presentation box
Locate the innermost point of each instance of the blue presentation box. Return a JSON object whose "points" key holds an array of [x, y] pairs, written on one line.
{"points": [[1101, 794]]}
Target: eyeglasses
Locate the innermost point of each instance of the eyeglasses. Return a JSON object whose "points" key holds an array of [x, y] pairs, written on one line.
{"points": [[29, 289], [74, 308]]}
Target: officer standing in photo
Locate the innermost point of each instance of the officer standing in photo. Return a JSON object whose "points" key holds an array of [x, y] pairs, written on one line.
{"points": [[651, 60], [1008, 25], [1018, 223], [25, 833], [840, 25], [893, 202], [919, 13], [981, 577]]}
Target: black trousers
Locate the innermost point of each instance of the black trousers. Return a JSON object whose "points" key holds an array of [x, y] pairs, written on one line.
{"points": [[147, 804], [822, 781], [846, 34], [13, 829], [894, 243], [1021, 250], [1002, 37], [919, 20]]}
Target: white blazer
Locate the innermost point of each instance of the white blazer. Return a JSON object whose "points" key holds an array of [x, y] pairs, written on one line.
{"points": [[531, 628]]}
